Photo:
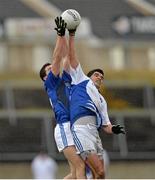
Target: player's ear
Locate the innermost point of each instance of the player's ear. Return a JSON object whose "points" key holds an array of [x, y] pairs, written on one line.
{"points": [[44, 78]]}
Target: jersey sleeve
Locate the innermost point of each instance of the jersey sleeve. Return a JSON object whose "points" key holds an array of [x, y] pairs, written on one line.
{"points": [[99, 102], [52, 81], [77, 75], [66, 77], [104, 112]]}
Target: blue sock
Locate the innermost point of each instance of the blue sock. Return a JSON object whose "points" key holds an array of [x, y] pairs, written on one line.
{"points": [[89, 174]]}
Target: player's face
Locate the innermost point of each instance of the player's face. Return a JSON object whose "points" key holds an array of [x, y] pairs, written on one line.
{"points": [[47, 70], [97, 78]]}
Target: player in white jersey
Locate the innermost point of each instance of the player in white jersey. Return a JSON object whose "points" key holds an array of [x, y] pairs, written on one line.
{"points": [[43, 166], [88, 112], [57, 89]]}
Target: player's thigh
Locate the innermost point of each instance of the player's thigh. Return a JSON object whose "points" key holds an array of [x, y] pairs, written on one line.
{"points": [[84, 138], [66, 140], [70, 154]]}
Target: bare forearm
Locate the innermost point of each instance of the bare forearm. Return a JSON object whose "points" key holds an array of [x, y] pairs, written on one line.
{"points": [[72, 55], [108, 129], [58, 50], [57, 55], [66, 63], [114, 129]]}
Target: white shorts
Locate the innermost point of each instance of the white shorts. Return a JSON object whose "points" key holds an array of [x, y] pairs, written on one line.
{"points": [[86, 139], [63, 136]]}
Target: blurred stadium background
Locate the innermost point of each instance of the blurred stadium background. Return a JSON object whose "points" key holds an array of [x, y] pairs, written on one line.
{"points": [[115, 35]]}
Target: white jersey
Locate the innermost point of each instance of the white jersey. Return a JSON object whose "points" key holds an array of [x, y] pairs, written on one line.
{"points": [[86, 99], [44, 167]]}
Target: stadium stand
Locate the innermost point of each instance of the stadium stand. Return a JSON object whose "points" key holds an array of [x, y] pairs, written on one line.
{"points": [[27, 125]]}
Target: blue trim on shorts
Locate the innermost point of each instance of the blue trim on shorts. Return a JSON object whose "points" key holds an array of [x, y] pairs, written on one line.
{"points": [[63, 135], [77, 141]]}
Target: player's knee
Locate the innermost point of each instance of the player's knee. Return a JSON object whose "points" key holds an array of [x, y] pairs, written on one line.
{"points": [[100, 172]]}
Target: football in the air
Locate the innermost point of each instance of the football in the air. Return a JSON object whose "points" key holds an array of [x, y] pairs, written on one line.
{"points": [[72, 18]]}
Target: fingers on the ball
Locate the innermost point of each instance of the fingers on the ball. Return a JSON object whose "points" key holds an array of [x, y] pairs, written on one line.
{"points": [[57, 21], [62, 23]]}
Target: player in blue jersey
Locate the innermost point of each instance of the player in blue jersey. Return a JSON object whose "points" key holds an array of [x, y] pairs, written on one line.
{"points": [[57, 89], [88, 113]]}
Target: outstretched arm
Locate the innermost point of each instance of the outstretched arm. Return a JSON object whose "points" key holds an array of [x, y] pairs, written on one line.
{"points": [[75, 70], [57, 55], [59, 49], [66, 61], [74, 62], [114, 129]]}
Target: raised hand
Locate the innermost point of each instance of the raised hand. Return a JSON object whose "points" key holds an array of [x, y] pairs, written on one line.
{"points": [[60, 26], [72, 32]]}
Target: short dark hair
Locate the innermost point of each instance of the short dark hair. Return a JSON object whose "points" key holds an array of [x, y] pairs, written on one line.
{"points": [[42, 71], [90, 73]]}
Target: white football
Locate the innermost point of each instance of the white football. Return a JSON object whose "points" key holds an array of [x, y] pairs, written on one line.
{"points": [[72, 18]]}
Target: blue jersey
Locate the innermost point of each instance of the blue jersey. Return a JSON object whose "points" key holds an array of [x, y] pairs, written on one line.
{"points": [[85, 99], [80, 102], [58, 92]]}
